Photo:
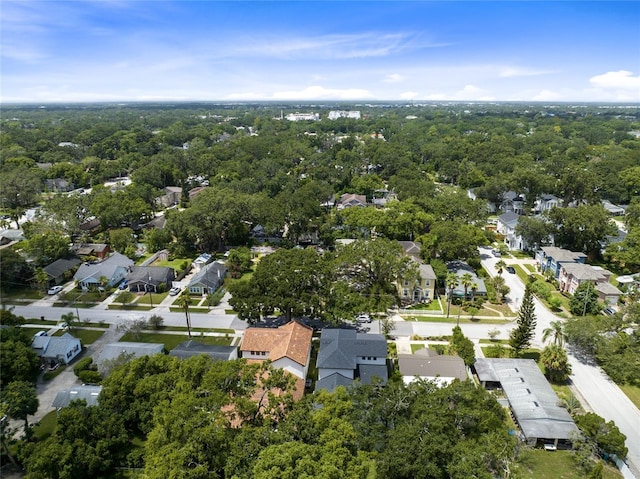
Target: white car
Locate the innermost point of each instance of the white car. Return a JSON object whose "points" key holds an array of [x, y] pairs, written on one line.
{"points": [[363, 318], [174, 291], [55, 290]]}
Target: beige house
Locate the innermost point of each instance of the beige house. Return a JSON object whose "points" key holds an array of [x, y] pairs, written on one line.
{"points": [[288, 347]]}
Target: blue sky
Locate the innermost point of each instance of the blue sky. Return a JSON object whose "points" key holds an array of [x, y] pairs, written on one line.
{"points": [[308, 51]]}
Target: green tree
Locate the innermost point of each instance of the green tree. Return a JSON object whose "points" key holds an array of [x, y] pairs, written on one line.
{"points": [[18, 361], [584, 300], [70, 319], [21, 187], [535, 231], [239, 261], [604, 434], [19, 399], [47, 247], [556, 363], [121, 238], [500, 265], [463, 346], [125, 297], [583, 228], [521, 336]]}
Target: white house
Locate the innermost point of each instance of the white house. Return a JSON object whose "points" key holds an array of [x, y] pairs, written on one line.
{"points": [[114, 268], [56, 349]]}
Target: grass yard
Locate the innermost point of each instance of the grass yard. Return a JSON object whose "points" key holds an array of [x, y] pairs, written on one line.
{"points": [[453, 319], [129, 307], [170, 341], [432, 306], [541, 464], [46, 426], [633, 393], [197, 330], [156, 298], [176, 263], [86, 336], [25, 293]]}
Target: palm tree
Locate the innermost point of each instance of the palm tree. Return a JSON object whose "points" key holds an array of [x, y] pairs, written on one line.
{"points": [[466, 281], [69, 319], [184, 301], [452, 282], [555, 330], [500, 265]]}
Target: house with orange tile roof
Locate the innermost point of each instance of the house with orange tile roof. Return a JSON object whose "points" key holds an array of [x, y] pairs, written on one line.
{"points": [[288, 347]]}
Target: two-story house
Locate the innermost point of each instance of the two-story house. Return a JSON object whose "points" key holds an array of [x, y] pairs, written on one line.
{"points": [[506, 226], [552, 258], [288, 347], [346, 355], [573, 275]]}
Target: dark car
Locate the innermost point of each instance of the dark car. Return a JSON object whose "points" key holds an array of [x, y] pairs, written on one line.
{"points": [[511, 269]]}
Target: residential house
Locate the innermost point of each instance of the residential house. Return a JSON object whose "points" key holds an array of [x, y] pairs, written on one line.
{"points": [[10, 236], [534, 404], [335, 114], [208, 279], [460, 268], [420, 290], [613, 210], [58, 185], [191, 348], [346, 355], [87, 393], [428, 365], [573, 275], [60, 270], [552, 258], [90, 226], [56, 349], [114, 268], [150, 278], [171, 196], [506, 226], [382, 197], [351, 200], [512, 201], [130, 350], [201, 261], [288, 347], [98, 250], [547, 202], [411, 248]]}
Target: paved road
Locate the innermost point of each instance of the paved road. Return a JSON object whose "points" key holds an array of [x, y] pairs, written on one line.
{"points": [[602, 395]]}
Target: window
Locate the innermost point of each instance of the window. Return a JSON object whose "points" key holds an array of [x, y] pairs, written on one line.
{"points": [[405, 293], [406, 283]]}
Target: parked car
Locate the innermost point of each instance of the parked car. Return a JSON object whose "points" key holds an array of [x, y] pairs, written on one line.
{"points": [[124, 284], [496, 253], [363, 318], [55, 290], [609, 311], [40, 333], [511, 270], [174, 291]]}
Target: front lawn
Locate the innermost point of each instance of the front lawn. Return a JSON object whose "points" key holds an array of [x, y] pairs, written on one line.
{"points": [[170, 341], [86, 336], [541, 464], [153, 298], [46, 426]]}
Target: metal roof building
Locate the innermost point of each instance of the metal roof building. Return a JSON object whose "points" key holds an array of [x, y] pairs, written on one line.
{"points": [[88, 393], [532, 400]]}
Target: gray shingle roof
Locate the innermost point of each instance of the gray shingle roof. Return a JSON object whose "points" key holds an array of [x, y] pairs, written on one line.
{"points": [[210, 275], [105, 268], [331, 382], [428, 365], [339, 348], [61, 266]]}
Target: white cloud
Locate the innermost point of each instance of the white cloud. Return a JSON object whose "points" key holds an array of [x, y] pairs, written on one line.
{"points": [[393, 78], [620, 80]]}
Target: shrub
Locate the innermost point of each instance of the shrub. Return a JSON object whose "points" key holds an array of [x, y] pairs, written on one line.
{"points": [[82, 365], [541, 289], [156, 321], [90, 377]]}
